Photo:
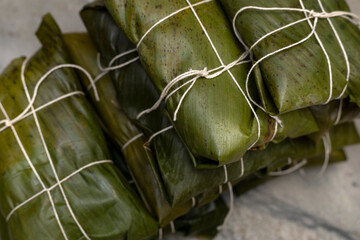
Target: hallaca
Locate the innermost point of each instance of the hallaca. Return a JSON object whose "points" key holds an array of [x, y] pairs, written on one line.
{"points": [[304, 52], [140, 160], [282, 151], [135, 129], [181, 180], [57, 179], [207, 106]]}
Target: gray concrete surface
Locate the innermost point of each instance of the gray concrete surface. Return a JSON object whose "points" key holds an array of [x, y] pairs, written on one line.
{"points": [[290, 208]]}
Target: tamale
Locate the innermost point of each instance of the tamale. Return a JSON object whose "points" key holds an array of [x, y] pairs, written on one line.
{"points": [[56, 179], [140, 161], [181, 180], [308, 73], [215, 121], [173, 159]]}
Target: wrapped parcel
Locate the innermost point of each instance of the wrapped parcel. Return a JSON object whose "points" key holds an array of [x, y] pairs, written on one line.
{"points": [[300, 57], [57, 179]]}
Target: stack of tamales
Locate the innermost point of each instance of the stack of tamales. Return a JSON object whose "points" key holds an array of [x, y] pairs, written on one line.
{"points": [[135, 128]]}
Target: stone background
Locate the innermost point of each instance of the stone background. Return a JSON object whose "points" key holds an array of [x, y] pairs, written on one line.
{"points": [[289, 208]]}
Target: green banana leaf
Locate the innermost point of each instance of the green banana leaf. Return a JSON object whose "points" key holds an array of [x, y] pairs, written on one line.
{"points": [[254, 180], [215, 121], [298, 77], [336, 156], [341, 135], [105, 36], [4, 234], [262, 176], [203, 221], [180, 178], [139, 160], [99, 196], [118, 159], [327, 115]]}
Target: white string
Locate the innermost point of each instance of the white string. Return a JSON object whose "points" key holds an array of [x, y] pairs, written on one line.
{"points": [[220, 189], [226, 181], [110, 68], [34, 171], [275, 132], [324, 51], [346, 57], [274, 53], [172, 226], [55, 185], [9, 123], [36, 90], [311, 15], [48, 153], [290, 170], [131, 141], [105, 70], [339, 112], [231, 207], [193, 202], [196, 74], [327, 146], [160, 234], [226, 178], [167, 17], [158, 133], [242, 167]]}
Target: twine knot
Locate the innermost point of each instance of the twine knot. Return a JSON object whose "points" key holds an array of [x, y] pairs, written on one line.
{"points": [[7, 123], [277, 120], [204, 72], [319, 14]]}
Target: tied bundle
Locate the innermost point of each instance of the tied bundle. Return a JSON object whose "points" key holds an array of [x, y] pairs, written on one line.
{"points": [[135, 129], [57, 179]]}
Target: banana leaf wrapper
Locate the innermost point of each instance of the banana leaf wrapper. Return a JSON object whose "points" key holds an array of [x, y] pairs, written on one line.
{"points": [[341, 135], [261, 177], [214, 121], [182, 181], [327, 115], [298, 77], [99, 196], [140, 161], [203, 221], [4, 234], [336, 156], [119, 161]]}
